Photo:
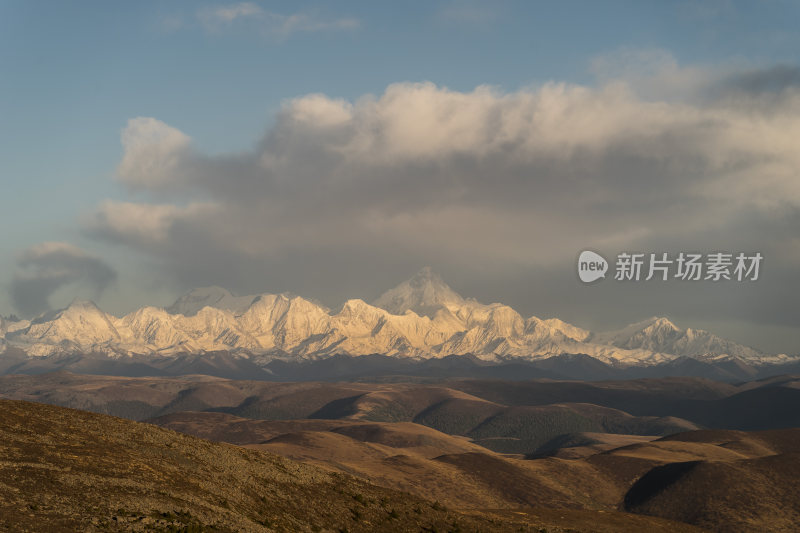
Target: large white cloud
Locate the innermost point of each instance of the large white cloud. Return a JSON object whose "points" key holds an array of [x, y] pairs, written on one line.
{"points": [[484, 182], [154, 153]]}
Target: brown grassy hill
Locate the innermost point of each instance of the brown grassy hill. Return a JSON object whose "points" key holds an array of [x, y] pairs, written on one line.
{"points": [[526, 429], [376, 401], [588, 457], [506, 429], [418, 459], [747, 495], [585, 444], [68, 470], [717, 479], [644, 394], [452, 406], [237, 430]]}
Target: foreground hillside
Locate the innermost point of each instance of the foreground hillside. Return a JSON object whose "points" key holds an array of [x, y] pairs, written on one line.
{"points": [[68, 470], [720, 480], [601, 456]]}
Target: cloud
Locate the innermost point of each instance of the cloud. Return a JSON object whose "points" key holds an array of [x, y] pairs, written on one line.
{"points": [[654, 74], [153, 153], [277, 25], [418, 136], [229, 13], [774, 79], [142, 225], [483, 183], [44, 268]]}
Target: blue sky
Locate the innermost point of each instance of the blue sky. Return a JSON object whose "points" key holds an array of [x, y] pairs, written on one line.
{"points": [[73, 74]]}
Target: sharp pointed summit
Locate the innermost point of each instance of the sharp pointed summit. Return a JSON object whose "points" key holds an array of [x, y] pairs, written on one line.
{"points": [[193, 301], [659, 334], [425, 293]]}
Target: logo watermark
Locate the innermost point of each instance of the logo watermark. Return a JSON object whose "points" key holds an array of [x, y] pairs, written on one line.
{"points": [[591, 266], [662, 266]]}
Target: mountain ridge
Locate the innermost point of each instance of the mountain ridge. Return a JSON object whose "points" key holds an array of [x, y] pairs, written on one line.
{"points": [[421, 318]]}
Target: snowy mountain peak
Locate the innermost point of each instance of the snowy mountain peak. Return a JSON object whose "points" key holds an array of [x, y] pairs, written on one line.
{"points": [[659, 322], [421, 317], [658, 334], [355, 305], [568, 330], [425, 273], [193, 301], [76, 309], [12, 324], [79, 304], [425, 293], [82, 323]]}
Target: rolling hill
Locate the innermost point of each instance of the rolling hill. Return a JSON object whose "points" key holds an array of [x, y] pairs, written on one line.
{"points": [[597, 450], [68, 470]]}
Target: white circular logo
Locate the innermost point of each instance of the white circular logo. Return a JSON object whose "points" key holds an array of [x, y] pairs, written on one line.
{"points": [[591, 266]]}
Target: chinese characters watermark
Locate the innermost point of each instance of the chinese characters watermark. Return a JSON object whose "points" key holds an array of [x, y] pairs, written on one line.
{"points": [[662, 266]]}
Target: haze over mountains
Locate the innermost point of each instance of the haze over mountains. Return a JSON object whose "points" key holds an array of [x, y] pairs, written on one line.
{"points": [[420, 319]]}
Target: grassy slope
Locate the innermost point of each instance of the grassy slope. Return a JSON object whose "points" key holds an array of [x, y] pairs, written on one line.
{"points": [[68, 470]]}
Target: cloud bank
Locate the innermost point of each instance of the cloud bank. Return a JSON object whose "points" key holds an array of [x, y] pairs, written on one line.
{"points": [[44, 268], [484, 184]]}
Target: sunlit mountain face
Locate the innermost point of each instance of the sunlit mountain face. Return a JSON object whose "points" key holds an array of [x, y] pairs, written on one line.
{"points": [[421, 318]]}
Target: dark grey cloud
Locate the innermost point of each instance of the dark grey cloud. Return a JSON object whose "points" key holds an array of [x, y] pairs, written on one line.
{"points": [[774, 79], [498, 191], [44, 268]]}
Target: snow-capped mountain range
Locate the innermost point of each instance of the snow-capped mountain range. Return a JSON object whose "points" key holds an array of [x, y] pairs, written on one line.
{"points": [[420, 318]]}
